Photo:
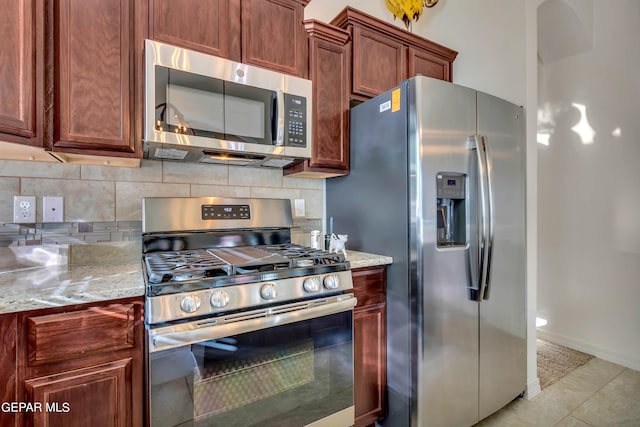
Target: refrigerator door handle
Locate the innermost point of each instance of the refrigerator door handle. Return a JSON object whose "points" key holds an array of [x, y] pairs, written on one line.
{"points": [[490, 218], [478, 252]]}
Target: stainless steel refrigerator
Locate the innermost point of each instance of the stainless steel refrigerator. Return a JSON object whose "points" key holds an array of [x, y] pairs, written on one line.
{"points": [[437, 181]]}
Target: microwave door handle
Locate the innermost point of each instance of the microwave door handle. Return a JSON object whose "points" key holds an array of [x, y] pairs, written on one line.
{"points": [[279, 123]]}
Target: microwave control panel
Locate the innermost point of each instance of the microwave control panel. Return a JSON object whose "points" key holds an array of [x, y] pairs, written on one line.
{"points": [[295, 120]]}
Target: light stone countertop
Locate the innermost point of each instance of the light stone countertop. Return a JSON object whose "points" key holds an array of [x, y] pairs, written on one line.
{"points": [[40, 277]]}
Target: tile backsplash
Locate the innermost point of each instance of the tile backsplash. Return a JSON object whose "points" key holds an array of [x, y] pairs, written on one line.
{"points": [[103, 203]]}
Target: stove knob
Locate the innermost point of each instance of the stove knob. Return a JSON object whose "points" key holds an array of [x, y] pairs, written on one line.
{"points": [[331, 282], [190, 303], [311, 284], [219, 298], [269, 291]]}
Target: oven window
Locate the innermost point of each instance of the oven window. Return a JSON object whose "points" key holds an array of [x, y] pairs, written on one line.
{"points": [[289, 375], [198, 105]]}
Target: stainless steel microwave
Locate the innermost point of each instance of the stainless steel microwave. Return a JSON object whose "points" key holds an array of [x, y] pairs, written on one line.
{"points": [[201, 108]]}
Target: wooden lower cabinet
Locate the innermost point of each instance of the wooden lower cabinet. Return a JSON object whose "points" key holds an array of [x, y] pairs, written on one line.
{"points": [[78, 365], [369, 343], [8, 381], [96, 396]]}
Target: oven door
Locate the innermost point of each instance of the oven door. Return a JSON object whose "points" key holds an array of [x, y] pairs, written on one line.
{"points": [[290, 365]]}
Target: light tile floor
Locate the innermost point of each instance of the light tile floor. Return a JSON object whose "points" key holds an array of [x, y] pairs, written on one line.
{"points": [[598, 393]]}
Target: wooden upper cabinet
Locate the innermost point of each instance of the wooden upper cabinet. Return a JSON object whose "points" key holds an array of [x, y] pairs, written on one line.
{"points": [[95, 63], [378, 62], [384, 55], [328, 66], [22, 71], [424, 63], [273, 35], [209, 26]]}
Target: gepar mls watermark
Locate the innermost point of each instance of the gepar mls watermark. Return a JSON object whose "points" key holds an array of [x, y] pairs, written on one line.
{"points": [[18, 407]]}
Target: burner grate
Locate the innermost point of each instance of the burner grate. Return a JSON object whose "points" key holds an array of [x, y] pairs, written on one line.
{"points": [[184, 265]]}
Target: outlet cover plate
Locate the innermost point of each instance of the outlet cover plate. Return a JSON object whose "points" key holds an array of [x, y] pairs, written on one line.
{"points": [[52, 209], [24, 209]]}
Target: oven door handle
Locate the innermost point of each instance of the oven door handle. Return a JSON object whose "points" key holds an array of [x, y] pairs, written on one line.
{"points": [[210, 329]]}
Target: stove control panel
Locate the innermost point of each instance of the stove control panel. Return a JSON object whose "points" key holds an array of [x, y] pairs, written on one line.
{"points": [[247, 296], [226, 212]]}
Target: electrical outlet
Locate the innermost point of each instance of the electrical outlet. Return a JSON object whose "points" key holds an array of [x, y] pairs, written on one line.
{"points": [[52, 209], [24, 209]]}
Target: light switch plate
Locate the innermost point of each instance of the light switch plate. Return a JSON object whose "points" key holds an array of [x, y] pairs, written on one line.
{"points": [[298, 208], [52, 209], [24, 209]]}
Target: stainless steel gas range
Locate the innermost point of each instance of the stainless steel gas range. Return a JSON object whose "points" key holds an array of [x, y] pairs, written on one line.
{"points": [[243, 327]]}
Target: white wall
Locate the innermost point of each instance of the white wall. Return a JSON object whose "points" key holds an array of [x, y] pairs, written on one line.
{"points": [[496, 44], [589, 193], [488, 36]]}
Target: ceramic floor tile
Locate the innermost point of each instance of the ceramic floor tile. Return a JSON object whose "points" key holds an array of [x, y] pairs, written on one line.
{"points": [[522, 412], [626, 384], [593, 375], [572, 422], [607, 408]]}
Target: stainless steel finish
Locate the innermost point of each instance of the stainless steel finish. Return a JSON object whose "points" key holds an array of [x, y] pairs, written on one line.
{"points": [[190, 147], [198, 331], [502, 317], [447, 341], [164, 307], [345, 418], [280, 126], [160, 214], [452, 360]]}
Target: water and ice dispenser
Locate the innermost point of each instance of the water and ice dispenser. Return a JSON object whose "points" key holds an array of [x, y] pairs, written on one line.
{"points": [[451, 210]]}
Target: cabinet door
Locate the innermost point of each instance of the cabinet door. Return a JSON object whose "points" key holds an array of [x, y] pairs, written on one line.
{"points": [[8, 366], [95, 77], [273, 35], [21, 71], [424, 63], [96, 396], [369, 350], [379, 63], [207, 26], [369, 344], [328, 69]]}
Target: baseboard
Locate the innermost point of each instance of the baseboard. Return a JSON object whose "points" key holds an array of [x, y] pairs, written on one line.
{"points": [[533, 389], [601, 353]]}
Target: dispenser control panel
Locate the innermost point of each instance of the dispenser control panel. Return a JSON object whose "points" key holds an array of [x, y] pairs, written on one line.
{"points": [[450, 186]]}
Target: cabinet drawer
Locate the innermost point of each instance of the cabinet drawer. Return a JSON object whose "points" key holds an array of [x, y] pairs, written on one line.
{"points": [[369, 285], [64, 336]]}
